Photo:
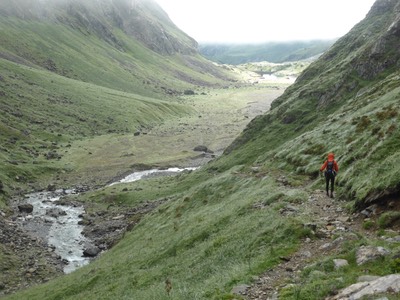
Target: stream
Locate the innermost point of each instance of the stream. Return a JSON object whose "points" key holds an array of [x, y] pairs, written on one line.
{"points": [[59, 224]]}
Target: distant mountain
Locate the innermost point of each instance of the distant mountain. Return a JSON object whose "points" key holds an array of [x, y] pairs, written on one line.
{"points": [[276, 52], [59, 36], [144, 21]]}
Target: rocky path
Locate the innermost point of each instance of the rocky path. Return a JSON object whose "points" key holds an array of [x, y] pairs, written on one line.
{"points": [[328, 219]]}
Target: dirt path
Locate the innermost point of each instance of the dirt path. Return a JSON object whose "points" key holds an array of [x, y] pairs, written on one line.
{"points": [[329, 219]]}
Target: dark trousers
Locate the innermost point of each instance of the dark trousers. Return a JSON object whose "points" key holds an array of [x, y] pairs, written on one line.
{"points": [[329, 178]]}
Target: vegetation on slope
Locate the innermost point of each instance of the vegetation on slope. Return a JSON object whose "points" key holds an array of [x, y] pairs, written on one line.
{"points": [[345, 102], [272, 52], [226, 223], [72, 71]]}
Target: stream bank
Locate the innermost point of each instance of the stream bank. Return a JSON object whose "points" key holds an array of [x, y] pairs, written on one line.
{"points": [[51, 233]]}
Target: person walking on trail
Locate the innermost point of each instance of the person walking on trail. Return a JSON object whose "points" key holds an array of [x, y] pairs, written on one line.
{"points": [[331, 168]]}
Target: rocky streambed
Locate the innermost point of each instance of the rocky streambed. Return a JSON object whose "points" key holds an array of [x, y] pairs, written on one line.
{"points": [[58, 222], [51, 233]]}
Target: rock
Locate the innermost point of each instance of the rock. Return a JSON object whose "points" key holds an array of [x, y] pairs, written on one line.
{"points": [[25, 208], [367, 278], [311, 226], [306, 254], [240, 289], [386, 284], [91, 251], [188, 92], [370, 211], [368, 253], [56, 212], [201, 148], [340, 263], [343, 219], [51, 187]]}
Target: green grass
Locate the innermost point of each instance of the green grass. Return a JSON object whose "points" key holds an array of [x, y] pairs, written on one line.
{"points": [[43, 113], [206, 238], [219, 226]]}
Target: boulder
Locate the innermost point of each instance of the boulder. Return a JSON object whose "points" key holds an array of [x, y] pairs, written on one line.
{"points": [[55, 212], [200, 148], [364, 290], [340, 263], [25, 208], [240, 289], [91, 251]]}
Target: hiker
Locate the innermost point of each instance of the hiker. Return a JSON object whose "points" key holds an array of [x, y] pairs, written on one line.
{"points": [[331, 168]]}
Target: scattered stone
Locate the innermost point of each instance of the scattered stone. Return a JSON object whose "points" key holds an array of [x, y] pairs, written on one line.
{"points": [[340, 263], [56, 212], [370, 211], [283, 180], [369, 253], [91, 251], [240, 289], [306, 254], [344, 219], [311, 226], [202, 148], [51, 187], [25, 208]]}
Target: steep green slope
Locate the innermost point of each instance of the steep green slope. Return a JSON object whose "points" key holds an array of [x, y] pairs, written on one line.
{"points": [[102, 44], [43, 113], [346, 102], [72, 70]]}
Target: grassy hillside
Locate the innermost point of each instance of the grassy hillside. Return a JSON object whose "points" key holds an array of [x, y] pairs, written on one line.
{"points": [[42, 114], [242, 215], [271, 52], [345, 102], [72, 71]]}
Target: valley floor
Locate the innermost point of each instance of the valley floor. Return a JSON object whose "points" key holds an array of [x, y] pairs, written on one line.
{"points": [[218, 118]]}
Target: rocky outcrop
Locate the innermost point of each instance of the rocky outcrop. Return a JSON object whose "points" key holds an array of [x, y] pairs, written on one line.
{"points": [[386, 284]]}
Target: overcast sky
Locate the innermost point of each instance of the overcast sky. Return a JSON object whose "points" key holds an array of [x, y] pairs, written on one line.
{"points": [[243, 21]]}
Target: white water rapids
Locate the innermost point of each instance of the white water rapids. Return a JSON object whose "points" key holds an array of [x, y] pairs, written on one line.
{"points": [[63, 231]]}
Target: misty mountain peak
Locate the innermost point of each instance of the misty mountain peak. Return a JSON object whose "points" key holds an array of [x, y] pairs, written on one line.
{"points": [[143, 20]]}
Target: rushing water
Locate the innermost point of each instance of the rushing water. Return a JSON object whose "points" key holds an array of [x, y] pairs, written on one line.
{"points": [[148, 173], [62, 229]]}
